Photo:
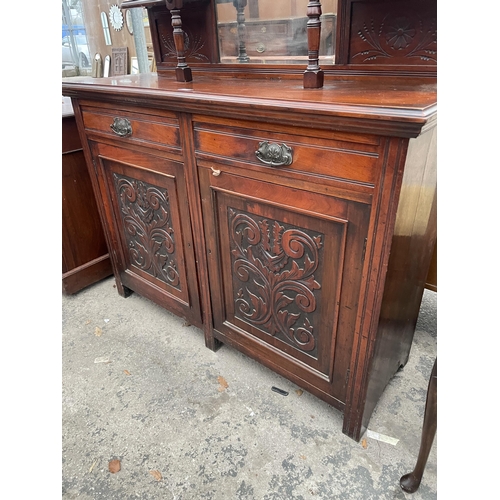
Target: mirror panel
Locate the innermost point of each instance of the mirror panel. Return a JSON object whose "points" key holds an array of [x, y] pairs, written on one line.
{"points": [[272, 31]]}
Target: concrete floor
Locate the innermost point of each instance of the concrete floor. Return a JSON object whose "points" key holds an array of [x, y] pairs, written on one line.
{"points": [[139, 386]]}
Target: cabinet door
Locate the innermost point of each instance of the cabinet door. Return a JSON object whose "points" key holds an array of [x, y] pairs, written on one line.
{"points": [[285, 271], [147, 214]]}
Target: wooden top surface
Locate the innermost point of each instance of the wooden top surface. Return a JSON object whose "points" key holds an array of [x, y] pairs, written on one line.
{"points": [[382, 105]]}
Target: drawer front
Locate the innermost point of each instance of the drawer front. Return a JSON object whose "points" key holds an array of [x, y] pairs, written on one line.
{"points": [[159, 132], [286, 152]]}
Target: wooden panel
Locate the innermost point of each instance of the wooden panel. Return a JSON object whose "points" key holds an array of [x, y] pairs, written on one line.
{"points": [[148, 217], [199, 26], [431, 280], [397, 33], [411, 249], [394, 32], [284, 277], [70, 137]]}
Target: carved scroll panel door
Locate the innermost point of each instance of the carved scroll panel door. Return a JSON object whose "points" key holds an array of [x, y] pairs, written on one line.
{"points": [[147, 219], [285, 273]]}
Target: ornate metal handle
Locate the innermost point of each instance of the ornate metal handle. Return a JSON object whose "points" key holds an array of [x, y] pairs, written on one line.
{"points": [[274, 154], [215, 172], [121, 127]]}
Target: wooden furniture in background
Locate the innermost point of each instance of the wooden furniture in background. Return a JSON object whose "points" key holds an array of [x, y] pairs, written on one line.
{"points": [[119, 61], [85, 258], [410, 482], [295, 225]]}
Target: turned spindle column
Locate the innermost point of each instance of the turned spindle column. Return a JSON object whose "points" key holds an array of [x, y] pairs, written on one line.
{"points": [[182, 71], [313, 75], [240, 5]]}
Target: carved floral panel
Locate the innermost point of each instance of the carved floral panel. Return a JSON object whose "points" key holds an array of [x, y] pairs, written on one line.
{"points": [[149, 236], [274, 269], [193, 46], [196, 48], [394, 33]]}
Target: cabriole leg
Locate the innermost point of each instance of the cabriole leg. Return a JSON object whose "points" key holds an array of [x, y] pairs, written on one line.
{"points": [[411, 481]]}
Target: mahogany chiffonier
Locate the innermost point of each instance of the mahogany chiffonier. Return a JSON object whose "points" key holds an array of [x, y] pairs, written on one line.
{"points": [[289, 212]]}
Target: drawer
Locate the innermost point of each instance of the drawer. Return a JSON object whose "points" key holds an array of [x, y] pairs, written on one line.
{"points": [[283, 152], [159, 132]]}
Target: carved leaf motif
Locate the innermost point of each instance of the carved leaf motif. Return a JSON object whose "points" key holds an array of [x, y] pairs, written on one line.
{"points": [[282, 300], [270, 327], [288, 319], [294, 272], [304, 336], [156, 247], [403, 35], [311, 283], [277, 230], [264, 227], [257, 302], [192, 46]]}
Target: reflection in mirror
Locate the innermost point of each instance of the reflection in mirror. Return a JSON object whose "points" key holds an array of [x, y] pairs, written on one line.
{"points": [[107, 65], [272, 31], [105, 28]]}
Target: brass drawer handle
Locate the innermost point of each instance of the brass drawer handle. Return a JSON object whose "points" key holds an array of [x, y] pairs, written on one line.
{"points": [[274, 154], [121, 127], [215, 172]]}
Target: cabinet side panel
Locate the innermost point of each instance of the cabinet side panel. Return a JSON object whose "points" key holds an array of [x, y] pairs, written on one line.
{"points": [[84, 248], [431, 280], [411, 253]]}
